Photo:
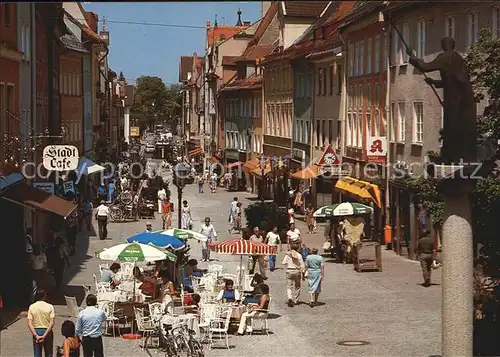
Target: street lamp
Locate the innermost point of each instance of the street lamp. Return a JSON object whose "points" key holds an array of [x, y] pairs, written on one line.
{"points": [[180, 171], [263, 172], [283, 164]]}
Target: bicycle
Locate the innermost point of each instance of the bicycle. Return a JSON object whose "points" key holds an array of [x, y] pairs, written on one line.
{"points": [[175, 342]]}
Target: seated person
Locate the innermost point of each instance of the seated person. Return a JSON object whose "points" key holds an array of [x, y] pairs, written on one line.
{"points": [[255, 309], [147, 284], [190, 270], [229, 293], [254, 295], [109, 275], [192, 303], [167, 292]]}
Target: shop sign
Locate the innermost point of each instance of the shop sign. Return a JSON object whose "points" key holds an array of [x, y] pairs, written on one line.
{"points": [[329, 157], [298, 154], [134, 131], [45, 186], [376, 149], [60, 157], [68, 186], [333, 170]]}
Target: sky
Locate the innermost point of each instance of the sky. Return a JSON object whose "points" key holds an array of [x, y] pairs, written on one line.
{"points": [[138, 49]]}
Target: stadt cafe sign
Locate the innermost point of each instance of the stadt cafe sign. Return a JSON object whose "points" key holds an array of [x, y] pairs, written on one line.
{"points": [[60, 157]]}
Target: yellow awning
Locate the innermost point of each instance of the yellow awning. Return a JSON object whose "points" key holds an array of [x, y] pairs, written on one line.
{"points": [[250, 165], [360, 189], [306, 173]]}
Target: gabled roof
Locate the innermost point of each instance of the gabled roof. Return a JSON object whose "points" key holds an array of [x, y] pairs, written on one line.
{"points": [[264, 23], [87, 30], [252, 82], [222, 33], [73, 43], [254, 52], [304, 8], [229, 60], [185, 66]]}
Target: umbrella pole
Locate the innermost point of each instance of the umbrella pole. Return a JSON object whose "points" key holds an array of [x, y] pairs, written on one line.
{"points": [[241, 269]]}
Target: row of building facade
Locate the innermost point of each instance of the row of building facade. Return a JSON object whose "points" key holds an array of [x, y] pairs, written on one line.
{"points": [[311, 75], [56, 87]]}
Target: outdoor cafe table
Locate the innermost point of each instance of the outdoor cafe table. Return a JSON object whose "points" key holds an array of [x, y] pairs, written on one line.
{"points": [[190, 320], [236, 310]]}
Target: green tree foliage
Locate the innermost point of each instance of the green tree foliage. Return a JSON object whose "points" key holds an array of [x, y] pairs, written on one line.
{"points": [[265, 216], [154, 101]]}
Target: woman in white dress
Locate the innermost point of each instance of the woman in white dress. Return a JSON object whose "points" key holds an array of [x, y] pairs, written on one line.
{"points": [[186, 221]]}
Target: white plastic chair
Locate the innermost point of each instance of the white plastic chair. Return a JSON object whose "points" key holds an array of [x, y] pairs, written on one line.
{"points": [[103, 268], [72, 305], [108, 307], [144, 324], [232, 277], [127, 270], [215, 268], [102, 288], [247, 286], [261, 317], [155, 311], [208, 312], [220, 326]]}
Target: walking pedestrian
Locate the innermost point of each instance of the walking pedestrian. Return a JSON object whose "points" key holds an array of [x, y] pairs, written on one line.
{"points": [[186, 220], [41, 320], [111, 190], [310, 218], [57, 258], [294, 273], [89, 328], [208, 230], [199, 180], [315, 266], [273, 239], [71, 233], [101, 192], [166, 216], [102, 214], [426, 252], [162, 194], [213, 182], [258, 238], [293, 235], [233, 208], [88, 208]]}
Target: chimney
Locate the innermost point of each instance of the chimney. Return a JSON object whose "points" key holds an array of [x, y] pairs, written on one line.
{"points": [[208, 24], [246, 23], [239, 23]]}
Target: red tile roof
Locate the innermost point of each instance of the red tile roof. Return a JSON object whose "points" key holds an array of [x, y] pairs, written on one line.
{"points": [[229, 60], [222, 33], [252, 82], [264, 23], [87, 30], [254, 52], [305, 8]]}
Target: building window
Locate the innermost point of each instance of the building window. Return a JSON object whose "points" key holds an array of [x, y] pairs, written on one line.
{"points": [[361, 62], [356, 59], [394, 124], [496, 22], [369, 56], [331, 134], [326, 131], [406, 36], [339, 78], [402, 122], [324, 80], [368, 125], [376, 123], [331, 72], [376, 95], [360, 130], [418, 114], [386, 52], [318, 132], [26, 41], [449, 30], [377, 54], [368, 97], [348, 134], [320, 80], [472, 28], [421, 38], [395, 48], [360, 97], [351, 55]]}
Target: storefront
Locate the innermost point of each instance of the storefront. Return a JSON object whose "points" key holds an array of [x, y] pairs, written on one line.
{"points": [[248, 168]]}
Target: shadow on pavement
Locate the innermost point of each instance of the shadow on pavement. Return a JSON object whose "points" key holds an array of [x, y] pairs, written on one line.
{"points": [[76, 291]]}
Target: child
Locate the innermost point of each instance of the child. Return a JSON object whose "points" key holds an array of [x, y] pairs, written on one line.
{"points": [[304, 252]]}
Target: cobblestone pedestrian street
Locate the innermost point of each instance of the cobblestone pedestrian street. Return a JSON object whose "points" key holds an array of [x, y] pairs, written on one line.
{"points": [[389, 310]]}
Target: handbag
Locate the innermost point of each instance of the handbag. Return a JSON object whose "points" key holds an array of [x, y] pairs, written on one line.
{"points": [[59, 351]]}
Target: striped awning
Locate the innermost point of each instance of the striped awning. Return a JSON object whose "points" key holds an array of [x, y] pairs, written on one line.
{"points": [[242, 247], [196, 151]]}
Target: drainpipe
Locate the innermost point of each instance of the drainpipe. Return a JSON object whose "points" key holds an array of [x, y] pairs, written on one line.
{"points": [[387, 228], [345, 64], [32, 157]]}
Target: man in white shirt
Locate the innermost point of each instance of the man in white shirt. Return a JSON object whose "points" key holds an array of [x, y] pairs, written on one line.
{"points": [[258, 238], [233, 209], [293, 235], [273, 239], [102, 214], [162, 194], [208, 230], [295, 269]]}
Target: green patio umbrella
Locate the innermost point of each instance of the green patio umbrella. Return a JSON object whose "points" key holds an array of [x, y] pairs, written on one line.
{"points": [[343, 209]]}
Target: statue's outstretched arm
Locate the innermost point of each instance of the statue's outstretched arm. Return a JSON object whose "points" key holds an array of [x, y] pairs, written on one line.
{"points": [[422, 66]]}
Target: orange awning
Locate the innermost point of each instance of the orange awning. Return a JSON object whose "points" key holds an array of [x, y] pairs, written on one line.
{"points": [[234, 164], [250, 165], [306, 173], [196, 151], [258, 171], [361, 190], [213, 160]]}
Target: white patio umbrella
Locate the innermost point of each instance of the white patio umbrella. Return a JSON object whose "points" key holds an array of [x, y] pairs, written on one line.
{"points": [[185, 234]]}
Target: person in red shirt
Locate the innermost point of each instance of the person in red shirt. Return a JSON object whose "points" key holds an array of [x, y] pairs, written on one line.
{"points": [[166, 213]]}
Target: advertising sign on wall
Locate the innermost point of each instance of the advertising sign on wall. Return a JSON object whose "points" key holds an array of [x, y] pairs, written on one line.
{"points": [[60, 157], [134, 131]]}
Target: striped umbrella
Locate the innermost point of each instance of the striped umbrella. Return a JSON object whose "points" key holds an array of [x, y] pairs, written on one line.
{"points": [[343, 209], [242, 247]]}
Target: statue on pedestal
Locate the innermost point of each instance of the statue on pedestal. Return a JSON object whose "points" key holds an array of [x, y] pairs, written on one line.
{"points": [[459, 127]]}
